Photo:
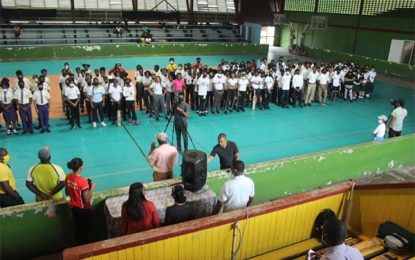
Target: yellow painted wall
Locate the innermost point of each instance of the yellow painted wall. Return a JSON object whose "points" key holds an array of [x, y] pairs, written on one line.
{"points": [[374, 206], [261, 234]]}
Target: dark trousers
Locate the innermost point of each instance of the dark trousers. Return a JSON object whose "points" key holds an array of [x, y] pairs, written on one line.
{"points": [[140, 93], [98, 110], [392, 133], [82, 99], [209, 99], [216, 101], [297, 97], [114, 109], [25, 113], [82, 220], [88, 110], [147, 101], [258, 93], [7, 200], [242, 97], [285, 97], [190, 95], [202, 104], [43, 116], [9, 116], [181, 130], [230, 98], [129, 104], [74, 114], [266, 97], [108, 106]]}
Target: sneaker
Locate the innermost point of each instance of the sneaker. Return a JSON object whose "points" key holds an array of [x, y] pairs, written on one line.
{"points": [[8, 132], [94, 124], [137, 122], [15, 132], [42, 131], [48, 130], [103, 124], [130, 120]]}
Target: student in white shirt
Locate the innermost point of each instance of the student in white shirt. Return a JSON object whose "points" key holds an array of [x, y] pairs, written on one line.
{"points": [[286, 82], [97, 95], [115, 92], [148, 99], [203, 85], [158, 90], [128, 91], [23, 97], [73, 95], [323, 79], [297, 83], [237, 193], [218, 85], [7, 106], [379, 132], [232, 85], [86, 98], [336, 79], [371, 83], [311, 87], [255, 83], [398, 115], [269, 85], [190, 88], [243, 83], [41, 99]]}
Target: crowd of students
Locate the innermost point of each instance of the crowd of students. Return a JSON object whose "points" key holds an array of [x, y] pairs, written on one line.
{"points": [[231, 86]]}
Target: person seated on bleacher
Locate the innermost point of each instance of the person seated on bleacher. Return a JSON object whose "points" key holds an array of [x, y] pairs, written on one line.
{"points": [[137, 213], [17, 31], [333, 236], [180, 211], [119, 30]]}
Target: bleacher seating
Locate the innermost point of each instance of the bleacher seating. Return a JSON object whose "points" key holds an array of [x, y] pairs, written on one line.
{"points": [[52, 34]]}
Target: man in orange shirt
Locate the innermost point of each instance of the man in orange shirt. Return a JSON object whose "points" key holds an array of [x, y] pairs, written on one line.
{"points": [[163, 158]]}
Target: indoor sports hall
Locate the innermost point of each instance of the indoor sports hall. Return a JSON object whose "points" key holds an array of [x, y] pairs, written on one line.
{"points": [[340, 139]]}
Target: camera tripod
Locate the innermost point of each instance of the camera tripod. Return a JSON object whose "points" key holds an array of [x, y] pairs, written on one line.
{"points": [[175, 113]]}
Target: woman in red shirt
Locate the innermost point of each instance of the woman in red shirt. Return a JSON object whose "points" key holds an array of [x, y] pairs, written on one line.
{"points": [[80, 192], [137, 213]]}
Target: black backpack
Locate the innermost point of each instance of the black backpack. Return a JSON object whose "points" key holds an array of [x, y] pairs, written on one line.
{"points": [[396, 238], [321, 219]]}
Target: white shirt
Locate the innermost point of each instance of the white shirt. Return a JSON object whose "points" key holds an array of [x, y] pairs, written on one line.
{"points": [[72, 92], [218, 82], [261, 83], [23, 98], [380, 130], [232, 83], [286, 82], [324, 78], [336, 79], [26, 81], [45, 97], [243, 83], [138, 77], [269, 82], [399, 113], [6, 96], [96, 94], [157, 88], [115, 92], [203, 85], [341, 252], [236, 193], [298, 81], [128, 91], [372, 76], [255, 81], [312, 77]]}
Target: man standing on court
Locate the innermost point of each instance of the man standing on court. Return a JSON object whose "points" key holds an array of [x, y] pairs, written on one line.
{"points": [[45, 179], [162, 158], [226, 150], [180, 122], [238, 192]]}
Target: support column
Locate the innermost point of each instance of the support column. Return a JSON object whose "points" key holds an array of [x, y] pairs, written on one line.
{"points": [[135, 5], [362, 2], [73, 11]]}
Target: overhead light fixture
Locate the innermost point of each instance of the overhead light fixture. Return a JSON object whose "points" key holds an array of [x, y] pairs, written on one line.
{"points": [[212, 6]]}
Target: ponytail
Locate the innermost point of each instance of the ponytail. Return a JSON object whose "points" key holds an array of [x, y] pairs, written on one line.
{"points": [[75, 164]]}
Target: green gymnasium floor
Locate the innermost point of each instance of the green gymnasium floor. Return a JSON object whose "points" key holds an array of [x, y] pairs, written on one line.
{"points": [[114, 156]]}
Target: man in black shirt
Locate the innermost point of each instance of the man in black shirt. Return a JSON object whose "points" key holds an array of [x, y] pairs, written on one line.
{"points": [[180, 122], [226, 150], [180, 211]]}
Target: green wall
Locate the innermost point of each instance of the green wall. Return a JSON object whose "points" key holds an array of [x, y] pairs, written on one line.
{"points": [[27, 231], [374, 44], [125, 50]]}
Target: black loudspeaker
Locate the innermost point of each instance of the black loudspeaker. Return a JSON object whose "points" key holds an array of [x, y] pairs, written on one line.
{"points": [[194, 170]]}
